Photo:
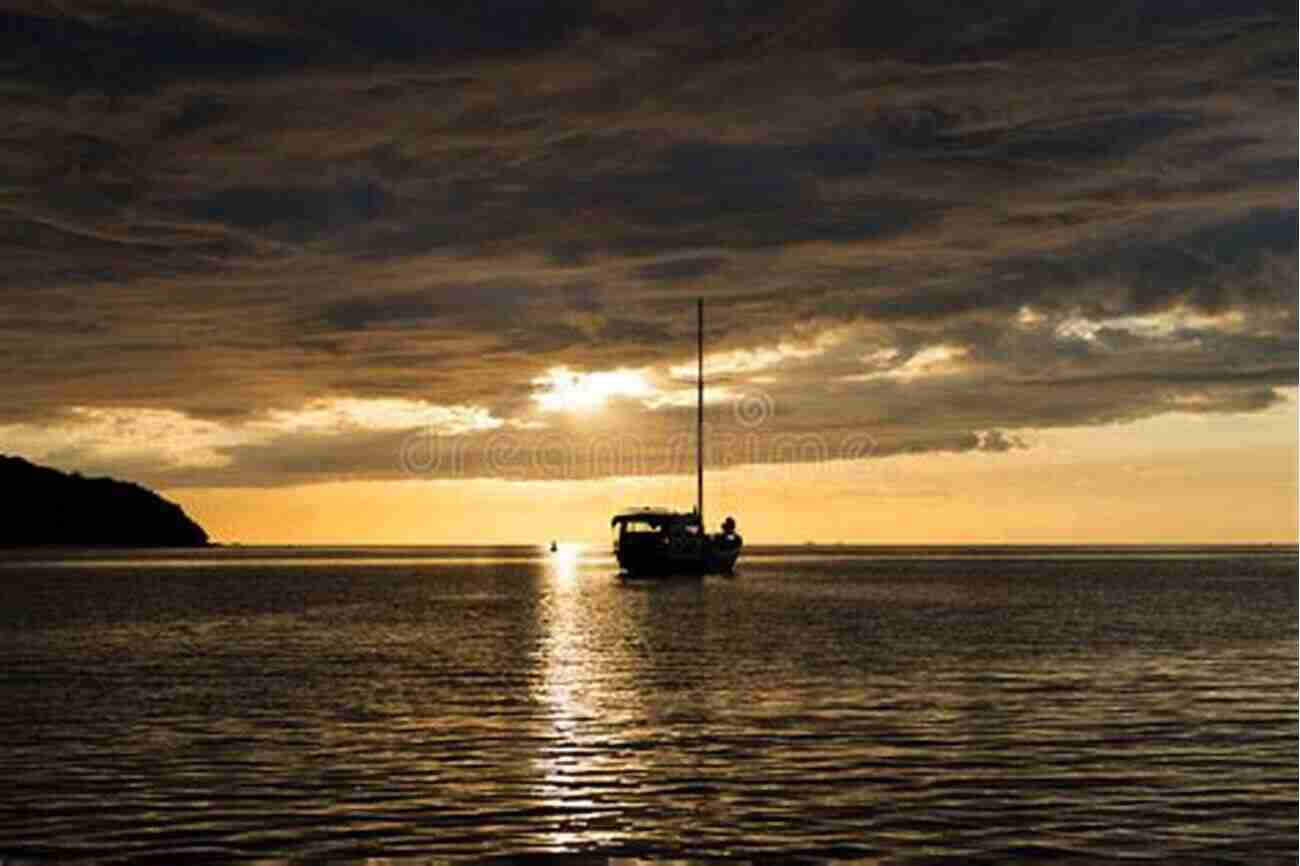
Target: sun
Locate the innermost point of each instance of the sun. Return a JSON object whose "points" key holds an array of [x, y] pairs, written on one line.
{"points": [[563, 390]]}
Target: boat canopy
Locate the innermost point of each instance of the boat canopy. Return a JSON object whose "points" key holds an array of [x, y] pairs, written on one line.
{"points": [[656, 517]]}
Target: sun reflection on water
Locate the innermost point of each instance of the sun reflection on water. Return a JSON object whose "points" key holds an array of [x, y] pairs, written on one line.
{"points": [[564, 562], [589, 694]]}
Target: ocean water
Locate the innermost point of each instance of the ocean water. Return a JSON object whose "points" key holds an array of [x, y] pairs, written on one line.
{"points": [[881, 705]]}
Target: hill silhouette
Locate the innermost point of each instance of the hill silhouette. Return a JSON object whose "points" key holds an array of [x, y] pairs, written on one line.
{"points": [[52, 508]]}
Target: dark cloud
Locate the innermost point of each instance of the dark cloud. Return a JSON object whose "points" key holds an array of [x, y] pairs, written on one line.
{"points": [[1280, 376], [139, 49], [401, 308], [301, 212], [139, 46], [1089, 138], [932, 31], [691, 182], [409, 30], [1056, 214], [1145, 268], [680, 269]]}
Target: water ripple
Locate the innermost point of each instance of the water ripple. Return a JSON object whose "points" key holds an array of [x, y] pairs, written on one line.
{"points": [[907, 709]]}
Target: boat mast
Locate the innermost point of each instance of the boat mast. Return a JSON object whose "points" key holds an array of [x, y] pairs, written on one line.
{"points": [[699, 413]]}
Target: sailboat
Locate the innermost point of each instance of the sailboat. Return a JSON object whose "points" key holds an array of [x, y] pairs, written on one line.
{"points": [[661, 541]]}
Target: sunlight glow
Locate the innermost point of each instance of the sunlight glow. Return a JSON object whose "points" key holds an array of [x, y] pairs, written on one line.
{"points": [[565, 390], [1087, 484], [753, 360], [564, 561], [1174, 322], [941, 359]]}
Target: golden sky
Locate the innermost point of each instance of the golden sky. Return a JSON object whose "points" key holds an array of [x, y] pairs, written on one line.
{"points": [[1174, 479]]}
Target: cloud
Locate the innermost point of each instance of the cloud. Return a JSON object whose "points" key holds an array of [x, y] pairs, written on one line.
{"points": [[997, 441], [1092, 138], [938, 360], [915, 224], [760, 358], [299, 211], [166, 444], [689, 268], [135, 49]]}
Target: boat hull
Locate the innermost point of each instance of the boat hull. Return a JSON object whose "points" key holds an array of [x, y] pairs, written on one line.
{"points": [[716, 556]]}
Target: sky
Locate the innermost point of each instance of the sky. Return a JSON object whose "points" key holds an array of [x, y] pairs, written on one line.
{"points": [[399, 272]]}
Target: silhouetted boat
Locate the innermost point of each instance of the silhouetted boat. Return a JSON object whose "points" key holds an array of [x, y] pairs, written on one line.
{"points": [[661, 541]]}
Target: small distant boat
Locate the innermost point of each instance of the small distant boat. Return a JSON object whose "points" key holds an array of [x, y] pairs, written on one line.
{"points": [[661, 541]]}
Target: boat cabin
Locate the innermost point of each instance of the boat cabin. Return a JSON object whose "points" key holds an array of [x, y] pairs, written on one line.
{"points": [[655, 521], [639, 528]]}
